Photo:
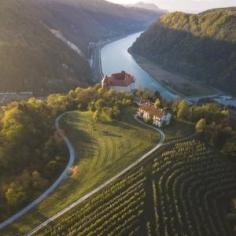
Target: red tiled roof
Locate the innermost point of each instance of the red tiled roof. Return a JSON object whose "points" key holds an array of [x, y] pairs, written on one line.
{"points": [[152, 110], [122, 79]]}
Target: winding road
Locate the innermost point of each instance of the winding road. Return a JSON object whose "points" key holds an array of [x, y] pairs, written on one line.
{"points": [[60, 179], [105, 184], [64, 175]]}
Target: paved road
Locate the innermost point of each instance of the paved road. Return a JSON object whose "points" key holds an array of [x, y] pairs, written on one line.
{"points": [[97, 63], [86, 196], [52, 187]]}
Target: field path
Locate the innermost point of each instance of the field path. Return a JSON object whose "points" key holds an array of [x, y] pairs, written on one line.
{"points": [[62, 177], [89, 194]]}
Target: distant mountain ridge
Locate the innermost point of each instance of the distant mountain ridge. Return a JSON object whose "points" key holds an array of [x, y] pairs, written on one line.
{"points": [[202, 46], [82, 21], [147, 6], [33, 58]]}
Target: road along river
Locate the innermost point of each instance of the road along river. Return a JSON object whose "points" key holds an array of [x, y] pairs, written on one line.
{"points": [[115, 58]]}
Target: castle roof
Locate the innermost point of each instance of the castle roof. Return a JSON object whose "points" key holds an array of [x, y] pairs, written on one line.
{"points": [[122, 79]]}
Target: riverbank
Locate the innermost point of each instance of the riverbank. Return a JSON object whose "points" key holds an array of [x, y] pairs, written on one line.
{"points": [[174, 82], [95, 59], [115, 57]]}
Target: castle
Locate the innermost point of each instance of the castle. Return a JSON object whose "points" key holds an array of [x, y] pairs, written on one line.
{"points": [[120, 82]]}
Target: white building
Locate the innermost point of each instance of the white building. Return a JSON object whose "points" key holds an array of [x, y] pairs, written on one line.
{"points": [[159, 117]]}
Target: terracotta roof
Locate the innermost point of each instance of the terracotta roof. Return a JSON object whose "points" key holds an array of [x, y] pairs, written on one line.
{"points": [[122, 79], [152, 110]]}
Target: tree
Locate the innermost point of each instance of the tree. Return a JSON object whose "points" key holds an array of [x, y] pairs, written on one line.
{"points": [[115, 112], [182, 110], [37, 181], [157, 103], [200, 126], [99, 104], [15, 195], [57, 102]]}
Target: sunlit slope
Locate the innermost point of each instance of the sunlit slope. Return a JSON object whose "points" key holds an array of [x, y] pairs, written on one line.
{"points": [[103, 149], [159, 198]]}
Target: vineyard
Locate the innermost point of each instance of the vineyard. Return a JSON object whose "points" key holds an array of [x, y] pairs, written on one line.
{"points": [[118, 209], [184, 189], [191, 188]]}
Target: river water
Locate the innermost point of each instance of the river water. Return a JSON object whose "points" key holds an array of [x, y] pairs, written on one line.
{"points": [[115, 58]]}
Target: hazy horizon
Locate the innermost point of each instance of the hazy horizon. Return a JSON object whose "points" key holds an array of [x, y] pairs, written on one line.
{"points": [[184, 5]]}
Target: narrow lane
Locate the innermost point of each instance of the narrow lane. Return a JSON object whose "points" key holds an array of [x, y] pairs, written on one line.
{"points": [[105, 184], [51, 189]]}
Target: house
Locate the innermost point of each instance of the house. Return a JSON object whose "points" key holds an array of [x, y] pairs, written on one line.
{"points": [[120, 82], [158, 116]]}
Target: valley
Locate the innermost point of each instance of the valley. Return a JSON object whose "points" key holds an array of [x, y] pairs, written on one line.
{"points": [[40, 41], [112, 126]]}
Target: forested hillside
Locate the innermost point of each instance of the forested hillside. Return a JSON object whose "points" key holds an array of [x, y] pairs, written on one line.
{"points": [[84, 21], [202, 46], [33, 59]]}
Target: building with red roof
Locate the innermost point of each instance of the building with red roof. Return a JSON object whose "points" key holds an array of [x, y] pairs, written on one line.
{"points": [[122, 82], [158, 116]]}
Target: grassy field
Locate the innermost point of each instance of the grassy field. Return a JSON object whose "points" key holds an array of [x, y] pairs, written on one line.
{"points": [[103, 149]]}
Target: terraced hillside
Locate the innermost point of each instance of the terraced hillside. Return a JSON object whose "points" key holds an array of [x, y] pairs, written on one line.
{"points": [[103, 150], [115, 211], [182, 190], [191, 188]]}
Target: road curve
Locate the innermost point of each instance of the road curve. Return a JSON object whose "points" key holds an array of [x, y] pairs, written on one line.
{"points": [[89, 194], [55, 184]]}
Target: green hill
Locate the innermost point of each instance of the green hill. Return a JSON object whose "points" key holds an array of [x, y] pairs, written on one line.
{"points": [[33, 59], [202, 46]]}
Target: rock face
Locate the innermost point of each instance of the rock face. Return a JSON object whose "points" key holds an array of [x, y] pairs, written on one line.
{"points": [[43, 43], [202, 46]]}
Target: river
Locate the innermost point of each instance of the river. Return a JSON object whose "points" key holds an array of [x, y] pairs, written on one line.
{"points": [[115, 58]]}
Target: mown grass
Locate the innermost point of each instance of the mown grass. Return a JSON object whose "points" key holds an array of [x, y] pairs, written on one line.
{"points": [[103, 149]]}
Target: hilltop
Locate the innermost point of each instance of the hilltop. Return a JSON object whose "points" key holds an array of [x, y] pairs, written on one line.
{"points": [[201, 46]]}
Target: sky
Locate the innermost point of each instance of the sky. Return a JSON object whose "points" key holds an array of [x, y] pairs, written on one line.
{"points": [[184, 5]]}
